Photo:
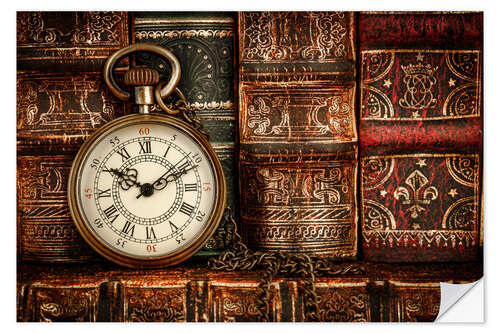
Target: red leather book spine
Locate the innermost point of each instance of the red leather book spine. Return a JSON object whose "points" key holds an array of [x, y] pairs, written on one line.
{"points": [[421, 136]]}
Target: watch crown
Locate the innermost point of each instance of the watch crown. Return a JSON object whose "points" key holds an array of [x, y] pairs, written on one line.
{"points": [[141, 76]]}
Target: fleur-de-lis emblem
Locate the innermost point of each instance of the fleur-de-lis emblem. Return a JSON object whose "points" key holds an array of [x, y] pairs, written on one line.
{"points": [[420, 194]]}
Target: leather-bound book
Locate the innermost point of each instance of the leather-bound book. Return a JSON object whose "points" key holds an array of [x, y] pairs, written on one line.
{"points": [[61, 100], [204, 44], [69, 41], [297, 132], [194, 293], [421, 136]]}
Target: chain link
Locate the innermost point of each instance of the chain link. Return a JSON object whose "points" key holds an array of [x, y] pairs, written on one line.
{"points": [[180, 107], [239, 258]]}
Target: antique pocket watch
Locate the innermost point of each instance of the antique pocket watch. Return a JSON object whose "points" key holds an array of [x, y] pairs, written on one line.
{"points": [[146, 190]]}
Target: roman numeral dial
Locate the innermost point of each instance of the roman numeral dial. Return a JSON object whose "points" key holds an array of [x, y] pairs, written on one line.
{"points": [[142, 190]]}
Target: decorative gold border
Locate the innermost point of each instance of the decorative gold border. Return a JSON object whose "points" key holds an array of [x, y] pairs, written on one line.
{"points": [[155, 34], [139, 21], [133, 261]]}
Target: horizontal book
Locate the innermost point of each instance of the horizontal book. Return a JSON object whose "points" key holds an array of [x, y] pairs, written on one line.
{"points": [[192, 292]]}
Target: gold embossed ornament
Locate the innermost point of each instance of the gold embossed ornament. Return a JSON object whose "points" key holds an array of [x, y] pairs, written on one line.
{"points": [[147, 190]]}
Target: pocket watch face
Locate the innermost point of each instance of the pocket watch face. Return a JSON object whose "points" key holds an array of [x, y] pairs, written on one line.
{"points": [[146, 189]]}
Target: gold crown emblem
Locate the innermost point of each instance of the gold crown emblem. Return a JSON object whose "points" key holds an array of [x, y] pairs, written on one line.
{"points": [[419, 69]]}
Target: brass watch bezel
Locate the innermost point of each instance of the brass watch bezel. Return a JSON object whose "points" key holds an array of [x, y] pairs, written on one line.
{"points": [[177, 256]]}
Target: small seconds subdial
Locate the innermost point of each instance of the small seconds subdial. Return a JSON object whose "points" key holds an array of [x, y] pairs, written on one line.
{"points": [[146, 190]]}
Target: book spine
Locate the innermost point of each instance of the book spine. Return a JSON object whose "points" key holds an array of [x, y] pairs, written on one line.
{"points": [[69, 41], [421, 136], [195, 294], [204, 44], [61, 100], [297, 132], [414, 302], [46, 232]]}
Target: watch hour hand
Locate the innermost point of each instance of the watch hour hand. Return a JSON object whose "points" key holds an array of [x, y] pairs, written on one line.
{"points": [[128, 178]]}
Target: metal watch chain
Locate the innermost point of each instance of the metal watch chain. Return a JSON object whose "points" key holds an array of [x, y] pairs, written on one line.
{"points": [[239, 258]]}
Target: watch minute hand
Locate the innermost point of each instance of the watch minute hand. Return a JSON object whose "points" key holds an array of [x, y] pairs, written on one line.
{"points": [[162, 182]]}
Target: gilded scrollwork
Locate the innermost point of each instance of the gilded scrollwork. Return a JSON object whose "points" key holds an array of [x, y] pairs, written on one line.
{"points": [[258, 115], [377, 216], [329, 40], [436, 202], [155, 304], [298, 114], [417, 304], [274, 211], [463, 101], [63, 305], [461, 215], [463, 64], [236, 309], [376, 171], [52, 102], [378, 65], [312, 36], [377, 104], [268, 186], [72, 28], [344, 307], [464, 169], [338, 116]]}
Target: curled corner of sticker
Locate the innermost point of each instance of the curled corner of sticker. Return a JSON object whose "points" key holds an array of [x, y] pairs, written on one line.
{"points": [[461, 303]]}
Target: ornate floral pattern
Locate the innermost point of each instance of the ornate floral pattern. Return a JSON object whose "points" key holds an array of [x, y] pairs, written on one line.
{"points": [[346, 304], [312, 36], [415, 302], [82, 39], [62, 107], [236, 302], [65, 304], [155, 304]]}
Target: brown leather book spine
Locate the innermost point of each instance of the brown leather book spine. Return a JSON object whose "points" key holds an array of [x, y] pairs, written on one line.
{"points": [[61, 100], [68, 41], [297, 131]]}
